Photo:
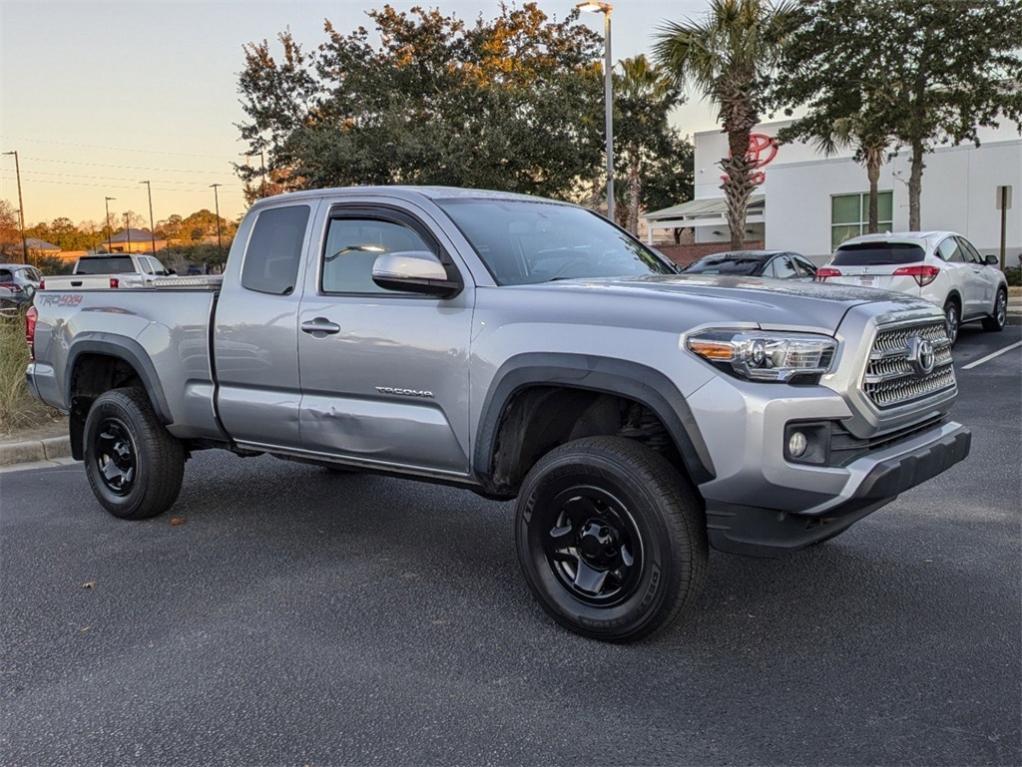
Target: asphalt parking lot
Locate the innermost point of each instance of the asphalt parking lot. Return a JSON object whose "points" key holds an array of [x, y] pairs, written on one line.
{"points": [[301, 617]]}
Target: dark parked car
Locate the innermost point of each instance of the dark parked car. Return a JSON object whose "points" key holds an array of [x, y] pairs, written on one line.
{"points": [[779, 264]]}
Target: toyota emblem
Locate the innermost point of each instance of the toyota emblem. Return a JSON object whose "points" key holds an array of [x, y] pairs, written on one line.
{"points": [[921, 356]]}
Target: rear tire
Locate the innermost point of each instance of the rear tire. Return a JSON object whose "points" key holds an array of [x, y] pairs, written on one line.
{"points": [[952, 319], [996, 321], [611, 538], [134, 465]]}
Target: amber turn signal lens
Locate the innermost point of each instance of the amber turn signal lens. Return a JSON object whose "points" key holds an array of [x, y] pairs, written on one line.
{"points": [[715, 351]]}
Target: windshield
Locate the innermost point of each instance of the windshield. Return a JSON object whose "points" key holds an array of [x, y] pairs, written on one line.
{"points": [[877, 253], [523, 242], [725, 265], [105, 265]]}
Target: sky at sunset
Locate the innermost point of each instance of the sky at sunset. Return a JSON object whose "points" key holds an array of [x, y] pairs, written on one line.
{"points": [[98, 96]]}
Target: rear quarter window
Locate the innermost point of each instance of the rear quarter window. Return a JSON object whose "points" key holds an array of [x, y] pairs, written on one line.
{"points": [[877, 254], [275, 250]]}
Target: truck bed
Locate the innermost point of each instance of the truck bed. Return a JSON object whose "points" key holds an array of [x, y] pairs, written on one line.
{"points": [[168, 325]]}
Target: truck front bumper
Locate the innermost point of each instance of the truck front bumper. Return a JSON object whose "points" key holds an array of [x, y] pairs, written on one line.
{"points": [[763, 502], [876, 481]]}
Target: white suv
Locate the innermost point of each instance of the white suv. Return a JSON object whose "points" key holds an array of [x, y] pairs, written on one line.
{"points": [[941, 267]]}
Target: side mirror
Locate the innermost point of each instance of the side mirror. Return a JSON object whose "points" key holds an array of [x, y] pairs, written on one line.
{"points": [[414, 271], [991, 260]]}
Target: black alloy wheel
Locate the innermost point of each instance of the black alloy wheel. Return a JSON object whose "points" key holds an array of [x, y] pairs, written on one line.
{"points": [[592, 544], [134, 465], [611, 538], [116, 456]]}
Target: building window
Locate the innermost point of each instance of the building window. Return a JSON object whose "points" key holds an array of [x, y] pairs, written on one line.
{"points": [[849, 215]]}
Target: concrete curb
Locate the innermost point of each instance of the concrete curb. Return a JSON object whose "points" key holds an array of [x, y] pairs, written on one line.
{"points": [[34, 450]]}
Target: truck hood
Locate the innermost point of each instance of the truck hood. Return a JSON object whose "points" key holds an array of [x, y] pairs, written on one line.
{"points": [[722, 298]]}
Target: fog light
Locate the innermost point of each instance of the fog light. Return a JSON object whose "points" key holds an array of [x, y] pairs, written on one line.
{"points": [[797, 444]]}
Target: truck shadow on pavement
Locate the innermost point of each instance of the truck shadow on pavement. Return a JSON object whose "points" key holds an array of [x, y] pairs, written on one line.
{"points": [[427, 548]]}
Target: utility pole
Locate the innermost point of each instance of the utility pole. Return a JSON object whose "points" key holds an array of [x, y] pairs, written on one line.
{"points": [[21, 206], [216, 202], [127, 233], [109, 226], [152, 224], [608, 94]]}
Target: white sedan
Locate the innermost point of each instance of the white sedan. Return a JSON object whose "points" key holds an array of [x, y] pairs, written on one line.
{"points": [[941, 267]]}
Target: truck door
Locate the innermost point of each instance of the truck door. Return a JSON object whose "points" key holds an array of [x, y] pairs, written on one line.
{"points": [[255, 346], [384, 373]]}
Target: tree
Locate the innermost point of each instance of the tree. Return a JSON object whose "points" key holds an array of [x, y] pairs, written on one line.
{"points": [[825, 68], [958, 70], [10, 233], [508, 103], [901, 72], [646, 143], [133, 219], [278, 97], [728, 56]]}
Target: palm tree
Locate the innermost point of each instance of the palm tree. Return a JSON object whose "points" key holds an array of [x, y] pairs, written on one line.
{"points": [[727, 56], [870, 146], [644, 96]]}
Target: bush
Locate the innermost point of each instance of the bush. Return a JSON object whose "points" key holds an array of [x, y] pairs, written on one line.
{"points": [[1014, 275], [18, 408]]}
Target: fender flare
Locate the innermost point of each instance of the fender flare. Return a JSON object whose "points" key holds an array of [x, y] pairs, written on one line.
{"points": [[126, 349], [641, 383]]}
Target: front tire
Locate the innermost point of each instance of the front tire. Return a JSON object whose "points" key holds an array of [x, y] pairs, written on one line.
{"points": [[611, 538], [952, 319], [134, 465], [996, 321]]}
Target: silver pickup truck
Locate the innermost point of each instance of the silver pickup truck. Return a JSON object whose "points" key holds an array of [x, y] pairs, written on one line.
{"points": [[522, 348]]}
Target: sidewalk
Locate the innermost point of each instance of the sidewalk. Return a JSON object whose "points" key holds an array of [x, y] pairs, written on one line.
{"points": [[43, 446]]}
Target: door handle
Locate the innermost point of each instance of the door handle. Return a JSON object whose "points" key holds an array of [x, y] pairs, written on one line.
{"points": [[320, 327]]}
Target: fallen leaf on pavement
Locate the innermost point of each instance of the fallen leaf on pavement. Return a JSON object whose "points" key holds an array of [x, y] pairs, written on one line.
{"points": [[175, 521], [89, 585]]}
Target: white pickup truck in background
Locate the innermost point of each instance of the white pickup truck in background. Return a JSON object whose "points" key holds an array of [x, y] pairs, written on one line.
{"points": [[111, 270]]}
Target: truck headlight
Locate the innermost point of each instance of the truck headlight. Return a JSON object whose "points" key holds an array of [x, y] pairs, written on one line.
{"points": [[764, 355]]}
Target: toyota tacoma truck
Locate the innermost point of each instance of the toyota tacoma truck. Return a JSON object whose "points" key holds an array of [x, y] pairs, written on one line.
{"points": [[523, 348]]}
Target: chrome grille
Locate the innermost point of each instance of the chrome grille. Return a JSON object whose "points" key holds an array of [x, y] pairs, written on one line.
{"points": [[891, 378]]}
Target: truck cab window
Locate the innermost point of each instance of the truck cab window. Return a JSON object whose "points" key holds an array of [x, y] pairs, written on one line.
{"points": [[353, 244], [275, 250]]}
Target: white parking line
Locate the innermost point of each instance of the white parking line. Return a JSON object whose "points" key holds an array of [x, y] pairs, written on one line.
{"points": [[990, 356]]}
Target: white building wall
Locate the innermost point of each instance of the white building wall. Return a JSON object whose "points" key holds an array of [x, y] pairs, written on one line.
{"points": [[959, 189]]}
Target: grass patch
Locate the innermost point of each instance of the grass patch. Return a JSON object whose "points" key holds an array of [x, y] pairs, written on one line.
{"points": [[18, 408]]}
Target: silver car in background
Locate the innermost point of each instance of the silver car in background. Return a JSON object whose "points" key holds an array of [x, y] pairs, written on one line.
{"points": [[19, 283]]}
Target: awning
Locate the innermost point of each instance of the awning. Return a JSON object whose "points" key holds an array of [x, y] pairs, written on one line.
{"points": [[710, 207]]}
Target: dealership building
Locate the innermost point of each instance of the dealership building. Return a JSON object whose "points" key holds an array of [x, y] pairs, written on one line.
{"points": [[810, 202]]}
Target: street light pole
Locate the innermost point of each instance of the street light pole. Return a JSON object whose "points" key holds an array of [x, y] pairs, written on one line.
{"points": [[216, 202], [109, 226], [127, 233], [608, 94], [21, 206], [152, 224]]}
